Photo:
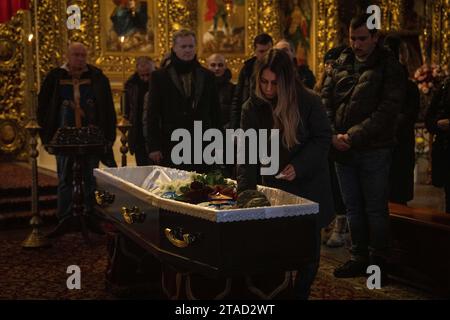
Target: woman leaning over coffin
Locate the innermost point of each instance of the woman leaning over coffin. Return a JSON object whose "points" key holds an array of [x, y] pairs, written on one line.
{"points": [[281, 102]]}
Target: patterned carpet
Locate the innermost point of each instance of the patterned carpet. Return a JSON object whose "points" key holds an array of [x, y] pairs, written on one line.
{"points": [[41, 274], [18, 176]]}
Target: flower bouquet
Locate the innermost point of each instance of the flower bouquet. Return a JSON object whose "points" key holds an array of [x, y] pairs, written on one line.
{"points": [[210, 189], [428, 77]]}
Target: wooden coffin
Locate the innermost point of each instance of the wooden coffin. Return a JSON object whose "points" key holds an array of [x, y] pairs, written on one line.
{"points": [[214, 243]]}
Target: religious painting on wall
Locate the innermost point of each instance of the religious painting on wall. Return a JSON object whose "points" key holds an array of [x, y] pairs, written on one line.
{"points": [[297, 26], [222, 27], [134, 20]]}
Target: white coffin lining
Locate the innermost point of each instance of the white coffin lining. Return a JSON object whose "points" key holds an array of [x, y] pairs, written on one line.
{"points": [[210, 214]]}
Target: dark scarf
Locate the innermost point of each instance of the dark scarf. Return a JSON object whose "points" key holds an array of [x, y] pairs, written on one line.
{"points": [[181, 66], [223, 79]]}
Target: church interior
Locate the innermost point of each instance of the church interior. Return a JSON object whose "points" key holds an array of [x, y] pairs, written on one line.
{"points": [[116, 263]]}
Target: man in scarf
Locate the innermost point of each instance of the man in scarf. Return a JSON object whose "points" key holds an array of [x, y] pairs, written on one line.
{"points": [[182, 92]]}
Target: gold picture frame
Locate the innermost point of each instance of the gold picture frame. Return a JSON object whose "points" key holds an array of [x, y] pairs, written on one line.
{"points": [[135, 20], [223, 27]]}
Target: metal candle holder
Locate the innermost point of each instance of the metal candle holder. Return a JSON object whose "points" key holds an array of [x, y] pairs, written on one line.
{"points": [[36, 239], [124, 125]]}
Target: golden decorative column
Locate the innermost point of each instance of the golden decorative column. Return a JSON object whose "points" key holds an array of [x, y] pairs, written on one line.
{"points": [[391, 14], [327, 27], [182, 14], [445, 53], [440, 50], [13, 89], [268, 18]]}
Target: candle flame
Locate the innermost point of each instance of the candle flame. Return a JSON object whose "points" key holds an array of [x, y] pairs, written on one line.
{"points": [[122, 39], [30, 37]]}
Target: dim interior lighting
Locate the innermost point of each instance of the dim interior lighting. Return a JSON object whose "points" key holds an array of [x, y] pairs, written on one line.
{"points": [[30, 37], [122, 39]]}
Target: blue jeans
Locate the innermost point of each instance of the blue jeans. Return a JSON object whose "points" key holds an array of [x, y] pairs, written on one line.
{"points": [[364, 181], [64, 166]]}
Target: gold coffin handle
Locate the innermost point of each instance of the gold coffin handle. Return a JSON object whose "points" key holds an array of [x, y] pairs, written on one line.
{"points": [[133, 215], [188, 239], [103, 197]]}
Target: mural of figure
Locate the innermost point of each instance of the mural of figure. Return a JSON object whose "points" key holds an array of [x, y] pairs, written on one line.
{"points": [[224, 22], [298, 28], [217, 9], [129, 17]]}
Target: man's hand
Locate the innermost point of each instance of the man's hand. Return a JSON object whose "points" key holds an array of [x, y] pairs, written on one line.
{"points": [[341, 142], [156, 156], [444, 124], [288, 173]]}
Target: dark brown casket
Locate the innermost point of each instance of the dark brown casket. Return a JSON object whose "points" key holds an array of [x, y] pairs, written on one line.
{"points": [[217, 244]]}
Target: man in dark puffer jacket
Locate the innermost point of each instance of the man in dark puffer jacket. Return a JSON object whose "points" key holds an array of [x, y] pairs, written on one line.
{"points": [[363, 97]]}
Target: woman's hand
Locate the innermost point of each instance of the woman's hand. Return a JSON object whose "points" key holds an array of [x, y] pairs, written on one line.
{"points": [[156, 157], [288, 173]]}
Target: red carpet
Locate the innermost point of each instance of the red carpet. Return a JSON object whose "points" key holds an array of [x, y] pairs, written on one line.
{"points": [[41, 274], [15, 194]]}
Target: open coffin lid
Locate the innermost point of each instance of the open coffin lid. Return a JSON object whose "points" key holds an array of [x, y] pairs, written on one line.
{"points": [[139, 181]]}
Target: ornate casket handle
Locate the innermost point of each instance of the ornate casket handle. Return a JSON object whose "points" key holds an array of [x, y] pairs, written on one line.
{"points": [[133, 215], [174, 237], [104, 198]]}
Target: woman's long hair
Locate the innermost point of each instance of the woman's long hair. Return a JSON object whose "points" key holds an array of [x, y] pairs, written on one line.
{"points": [[286, 115]]}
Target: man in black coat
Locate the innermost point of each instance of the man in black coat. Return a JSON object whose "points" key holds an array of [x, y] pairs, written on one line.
{"points": [[135, 90], [56, 109], [216, 63], [438, 123], [401, 180], [181, 93], [363, 97], [262, 43]]}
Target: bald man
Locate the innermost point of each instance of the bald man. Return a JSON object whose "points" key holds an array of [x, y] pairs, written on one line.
{"points": [[216, 63], [303, 71], [56, 109], [136, 88]]}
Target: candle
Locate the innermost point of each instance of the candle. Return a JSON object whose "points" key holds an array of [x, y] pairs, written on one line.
{"points": [[122, 100], [122, 39], [31, 76]]}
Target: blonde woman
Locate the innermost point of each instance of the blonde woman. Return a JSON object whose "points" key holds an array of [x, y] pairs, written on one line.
{"points": [[281, 102]]}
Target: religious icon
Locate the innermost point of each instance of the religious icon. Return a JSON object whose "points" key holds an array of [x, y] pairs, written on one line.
{"points": [[131, 19], [222, 26], [298, 16]]}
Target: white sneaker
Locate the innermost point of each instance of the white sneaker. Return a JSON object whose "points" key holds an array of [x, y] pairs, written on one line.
{"points": [[337, 238]]}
